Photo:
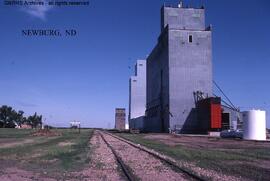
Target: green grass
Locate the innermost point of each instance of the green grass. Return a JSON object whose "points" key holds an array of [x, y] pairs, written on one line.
{"points": [[73, 156], [243, 163], [47, 154], [14, 133]]}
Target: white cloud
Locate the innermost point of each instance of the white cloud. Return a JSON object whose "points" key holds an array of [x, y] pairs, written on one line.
{"points": [[38, 11]]}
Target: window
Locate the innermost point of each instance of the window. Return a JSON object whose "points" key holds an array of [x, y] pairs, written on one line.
{"points": [[140, 64], [190, 38]]}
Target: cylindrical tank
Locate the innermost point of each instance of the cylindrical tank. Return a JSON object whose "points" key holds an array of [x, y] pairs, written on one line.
{"points": [[126, 126], [254, 125]]}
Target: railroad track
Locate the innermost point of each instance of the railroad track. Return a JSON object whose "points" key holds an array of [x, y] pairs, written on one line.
{"points": [[127, 171]]}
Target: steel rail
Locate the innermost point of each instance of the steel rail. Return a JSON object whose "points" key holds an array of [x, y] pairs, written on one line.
{"points": [[169, 162], [127, 173]]}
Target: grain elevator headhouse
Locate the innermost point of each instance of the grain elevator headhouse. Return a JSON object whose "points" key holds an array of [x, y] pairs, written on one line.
{"points": [[179, 66]]}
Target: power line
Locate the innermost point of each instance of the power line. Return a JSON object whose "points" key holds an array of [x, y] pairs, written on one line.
{"points": [[232, 105]]}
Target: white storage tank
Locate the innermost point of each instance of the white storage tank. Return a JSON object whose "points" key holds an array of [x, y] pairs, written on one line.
{"points": [[254, 125], [127, 126]]}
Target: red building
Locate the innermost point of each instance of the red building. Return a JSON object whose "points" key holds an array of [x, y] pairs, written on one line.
{"points": [[209, 114]]}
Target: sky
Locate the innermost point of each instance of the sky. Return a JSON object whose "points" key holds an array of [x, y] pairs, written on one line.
{"points": [[86, 77]]}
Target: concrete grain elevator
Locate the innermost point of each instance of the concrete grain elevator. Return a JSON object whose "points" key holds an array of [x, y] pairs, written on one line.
{"points": [[178, 66]]}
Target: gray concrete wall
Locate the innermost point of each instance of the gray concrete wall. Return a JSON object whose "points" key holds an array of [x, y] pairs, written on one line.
{"points": [[137, 91], [183, 18], [190, 70], [157, 75]]}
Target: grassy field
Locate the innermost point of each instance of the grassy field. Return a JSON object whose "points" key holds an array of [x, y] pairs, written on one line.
{"points": [[52, 155], [247, 160]]}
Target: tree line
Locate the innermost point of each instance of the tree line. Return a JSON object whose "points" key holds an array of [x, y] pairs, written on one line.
{"points": [[10, 118]]}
